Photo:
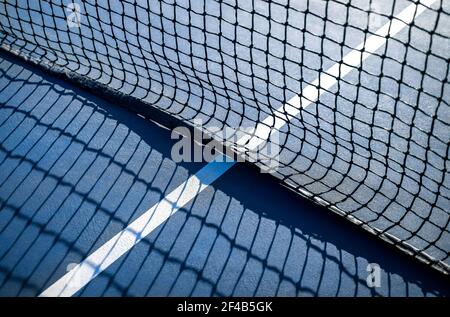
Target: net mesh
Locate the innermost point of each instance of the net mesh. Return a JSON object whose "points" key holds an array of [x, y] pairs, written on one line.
{"points": [[356, 92]]}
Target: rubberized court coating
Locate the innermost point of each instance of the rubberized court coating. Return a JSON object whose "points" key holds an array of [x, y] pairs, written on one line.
{"points": [[375, 145], [75, 170]]}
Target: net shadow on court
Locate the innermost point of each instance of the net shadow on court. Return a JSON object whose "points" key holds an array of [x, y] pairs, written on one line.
{"points": [[75, 171]]}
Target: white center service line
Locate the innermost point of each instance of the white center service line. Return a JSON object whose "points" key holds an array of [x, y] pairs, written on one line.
{"points": [[327, 79], [78, 277], [122, 242]]}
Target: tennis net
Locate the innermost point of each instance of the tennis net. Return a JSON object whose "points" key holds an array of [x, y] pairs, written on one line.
{"points": [[356, 92]]}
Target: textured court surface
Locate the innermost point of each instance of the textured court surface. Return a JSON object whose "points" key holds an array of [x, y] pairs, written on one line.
{"points": [[357, 92], [75, 170]]}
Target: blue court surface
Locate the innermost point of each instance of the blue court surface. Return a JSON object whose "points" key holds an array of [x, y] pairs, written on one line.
{"points": [[77, 171]]}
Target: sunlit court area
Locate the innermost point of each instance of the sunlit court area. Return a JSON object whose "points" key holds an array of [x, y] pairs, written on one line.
{"points": [[224, 148]]}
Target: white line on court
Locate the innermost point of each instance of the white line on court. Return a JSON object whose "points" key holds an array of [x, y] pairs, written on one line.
{"points": [[327, 79], [122, 242]]}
